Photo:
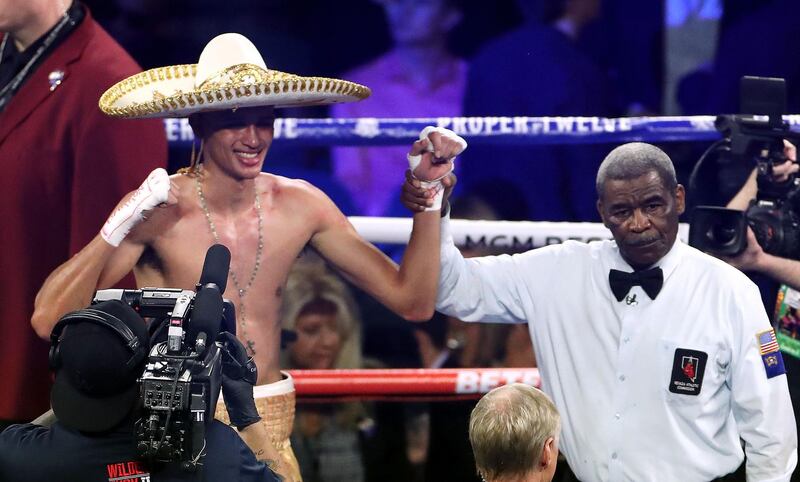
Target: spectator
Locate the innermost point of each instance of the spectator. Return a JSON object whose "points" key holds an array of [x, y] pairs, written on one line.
{"points": [[514, 431], [319, 308], [65, 166]]}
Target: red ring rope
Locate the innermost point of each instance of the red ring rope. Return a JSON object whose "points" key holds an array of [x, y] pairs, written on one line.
{"points": [[405, 384]]}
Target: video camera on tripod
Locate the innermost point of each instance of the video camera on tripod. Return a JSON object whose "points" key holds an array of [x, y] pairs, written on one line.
{"points": [[774, 215], [182, 379]]}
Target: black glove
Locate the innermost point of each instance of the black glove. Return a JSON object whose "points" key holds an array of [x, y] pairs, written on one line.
{"points": [[239, 374]]}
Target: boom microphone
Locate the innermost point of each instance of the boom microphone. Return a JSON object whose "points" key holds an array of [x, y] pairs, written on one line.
{"points": [[206, 318], [215, 267]]}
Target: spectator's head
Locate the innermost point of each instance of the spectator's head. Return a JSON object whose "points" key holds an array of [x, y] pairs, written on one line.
{"points": [[640, 200], [318, 306], [27, 20], [97, 354], [514, 432], [421, 22]]}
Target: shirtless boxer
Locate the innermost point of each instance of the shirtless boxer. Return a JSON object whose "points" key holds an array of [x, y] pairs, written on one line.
{"points": [[162, 230]]}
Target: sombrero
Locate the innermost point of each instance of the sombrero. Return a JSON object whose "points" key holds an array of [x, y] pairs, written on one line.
{"points": [[230, 74]]}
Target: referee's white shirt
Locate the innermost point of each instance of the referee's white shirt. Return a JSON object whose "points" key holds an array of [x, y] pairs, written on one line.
{"points": [[608, 364]]}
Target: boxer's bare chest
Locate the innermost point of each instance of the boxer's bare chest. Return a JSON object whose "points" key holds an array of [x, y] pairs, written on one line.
{"points": [[264, 243]]}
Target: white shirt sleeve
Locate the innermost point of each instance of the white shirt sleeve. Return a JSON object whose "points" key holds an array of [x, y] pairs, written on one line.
{"points": [[478, 289], [761, 405]]}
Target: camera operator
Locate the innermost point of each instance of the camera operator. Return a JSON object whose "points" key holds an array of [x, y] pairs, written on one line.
{"points": [[754, 258], [783, 270], [98, 354]]}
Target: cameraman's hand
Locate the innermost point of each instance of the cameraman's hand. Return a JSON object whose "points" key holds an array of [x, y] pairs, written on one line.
{"points": [[781, 172], [789, 150], [749, 259], [239, 374]]}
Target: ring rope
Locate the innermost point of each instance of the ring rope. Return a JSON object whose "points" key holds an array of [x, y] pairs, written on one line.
{"points": [[483, 130], [518, 235], [406, 384]]}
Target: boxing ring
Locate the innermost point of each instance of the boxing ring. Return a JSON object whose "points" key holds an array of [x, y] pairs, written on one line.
{"points": [[325, 386]]}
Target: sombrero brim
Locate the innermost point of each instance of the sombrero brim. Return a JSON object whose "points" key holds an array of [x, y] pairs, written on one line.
{"points": [[171, 92]]}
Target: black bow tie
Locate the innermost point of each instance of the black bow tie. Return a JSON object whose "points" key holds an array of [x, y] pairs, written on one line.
{"points": [[650, 280]]}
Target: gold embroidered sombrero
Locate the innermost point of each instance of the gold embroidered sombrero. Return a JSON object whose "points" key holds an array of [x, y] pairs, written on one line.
{"points": [[230, 74]]}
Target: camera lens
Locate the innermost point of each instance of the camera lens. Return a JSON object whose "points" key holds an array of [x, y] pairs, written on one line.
{"points": [[721, 234]]}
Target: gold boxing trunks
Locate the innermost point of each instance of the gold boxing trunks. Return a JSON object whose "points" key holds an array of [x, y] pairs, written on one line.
{"points": [[275, 404]]}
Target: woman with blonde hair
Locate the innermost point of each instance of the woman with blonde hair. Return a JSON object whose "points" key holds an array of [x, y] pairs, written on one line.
{"points": [[318, 307]]}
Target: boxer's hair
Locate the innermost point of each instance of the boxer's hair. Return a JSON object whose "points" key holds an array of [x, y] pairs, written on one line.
{"points": [[508, 430], [633, 160]]}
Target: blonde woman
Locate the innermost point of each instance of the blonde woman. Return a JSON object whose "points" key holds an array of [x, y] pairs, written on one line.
{"points": [[319, 308]]}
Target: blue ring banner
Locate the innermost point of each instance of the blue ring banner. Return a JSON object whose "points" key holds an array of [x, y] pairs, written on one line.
{"points": [[369, 131]]}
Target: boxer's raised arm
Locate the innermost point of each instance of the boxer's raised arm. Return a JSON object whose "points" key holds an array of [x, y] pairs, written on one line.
{"points": [[410, 289]]}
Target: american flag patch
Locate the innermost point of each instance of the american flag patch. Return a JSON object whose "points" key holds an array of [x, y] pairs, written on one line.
{"points": [[767, 342]]}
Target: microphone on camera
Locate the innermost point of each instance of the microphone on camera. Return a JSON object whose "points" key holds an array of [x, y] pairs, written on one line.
{"points": [[208, 305], [215, 268], [206, 319]]}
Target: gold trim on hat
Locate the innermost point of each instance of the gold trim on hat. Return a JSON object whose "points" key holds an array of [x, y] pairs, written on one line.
{"points": [[241, 75], [235, 82]]}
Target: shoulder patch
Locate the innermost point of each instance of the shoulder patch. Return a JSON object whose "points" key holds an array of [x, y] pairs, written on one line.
{"points": [[770, 353]]}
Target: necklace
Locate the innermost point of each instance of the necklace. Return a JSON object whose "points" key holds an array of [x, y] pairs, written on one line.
{"points": [[239, 289], [15, 82]]}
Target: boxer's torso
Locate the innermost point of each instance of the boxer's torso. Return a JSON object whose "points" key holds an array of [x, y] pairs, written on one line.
{"points": [[180, 235]]}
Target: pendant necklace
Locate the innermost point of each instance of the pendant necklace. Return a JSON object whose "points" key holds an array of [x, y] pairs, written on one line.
{"points": [[241, 290]]}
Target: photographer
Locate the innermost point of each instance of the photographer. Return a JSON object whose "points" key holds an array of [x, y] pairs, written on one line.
{"points": [[97, 355], [783, 270], [754, 258]]}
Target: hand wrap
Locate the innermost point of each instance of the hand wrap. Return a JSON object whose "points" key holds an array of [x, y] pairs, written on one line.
{"points": [[436, 184], [153, 191]]}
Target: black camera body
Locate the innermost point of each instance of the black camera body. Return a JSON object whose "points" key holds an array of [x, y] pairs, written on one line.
{"points": [[180, 385], [774, 215], [178, 397], [776, 223], [181, 381]]}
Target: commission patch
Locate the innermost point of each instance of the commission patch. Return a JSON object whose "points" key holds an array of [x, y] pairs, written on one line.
{"points": [[688, 369], [770, 353]]}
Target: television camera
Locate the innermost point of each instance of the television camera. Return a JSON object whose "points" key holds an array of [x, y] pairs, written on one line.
{"points": [[774, 215], [181, 381]]}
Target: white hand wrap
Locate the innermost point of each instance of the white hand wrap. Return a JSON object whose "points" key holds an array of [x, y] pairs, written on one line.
{"points": [[153, 191], [414, 162]]}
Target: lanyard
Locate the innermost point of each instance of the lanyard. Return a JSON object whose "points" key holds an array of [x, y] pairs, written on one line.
{"points": [[8, 91]]}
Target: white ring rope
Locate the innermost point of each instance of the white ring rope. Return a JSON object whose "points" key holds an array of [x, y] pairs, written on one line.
{"points": [[498, 234]]}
